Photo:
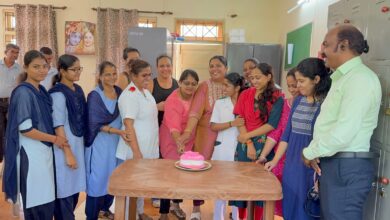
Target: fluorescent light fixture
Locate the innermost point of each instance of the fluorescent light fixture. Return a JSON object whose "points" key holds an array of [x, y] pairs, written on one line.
{"points": [[299, 4]]}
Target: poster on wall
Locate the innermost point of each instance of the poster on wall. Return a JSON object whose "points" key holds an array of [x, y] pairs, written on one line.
{"points": [[80, 38]]}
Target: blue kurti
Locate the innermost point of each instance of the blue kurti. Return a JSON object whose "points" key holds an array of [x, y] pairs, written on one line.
{"points": [[100, 156], [297, 178], [69, 181]]}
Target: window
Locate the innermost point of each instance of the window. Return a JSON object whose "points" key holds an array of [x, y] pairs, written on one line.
{"points": [[147, 22], [200, 30], [9, 26]]}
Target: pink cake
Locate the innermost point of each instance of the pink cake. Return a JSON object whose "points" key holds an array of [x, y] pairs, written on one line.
{"points": [[192, 160]]}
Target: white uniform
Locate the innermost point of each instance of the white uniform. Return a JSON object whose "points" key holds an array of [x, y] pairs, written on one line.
{"points": [[222, 113], [141, 107], [225, 146], [143, 110]]}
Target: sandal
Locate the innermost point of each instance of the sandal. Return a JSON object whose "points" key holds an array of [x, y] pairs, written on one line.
{"points": [[144, 216], [179, 213], [106, 215], [195, 216]]}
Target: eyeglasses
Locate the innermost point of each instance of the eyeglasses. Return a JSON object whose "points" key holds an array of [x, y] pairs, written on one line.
{"points": [[79, 69], [186, 83]]}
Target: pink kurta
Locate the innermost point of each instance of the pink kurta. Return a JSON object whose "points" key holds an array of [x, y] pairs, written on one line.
{"points": [[201, 108], [275, 135], [175, 119]]}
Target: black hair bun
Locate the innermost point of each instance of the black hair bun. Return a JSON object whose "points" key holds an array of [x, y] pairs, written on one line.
{"points": [[366, 47]]}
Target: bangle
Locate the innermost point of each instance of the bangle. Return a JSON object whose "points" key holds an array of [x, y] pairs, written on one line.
{"points": [[108, 131], [230, 123], [249, 141]]}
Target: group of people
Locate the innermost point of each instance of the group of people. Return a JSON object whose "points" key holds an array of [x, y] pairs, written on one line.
{"points": [[59, 143]]}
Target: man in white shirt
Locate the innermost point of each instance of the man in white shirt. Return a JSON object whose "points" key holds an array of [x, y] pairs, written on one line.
{"points": [[48, 54], [9, 71]]}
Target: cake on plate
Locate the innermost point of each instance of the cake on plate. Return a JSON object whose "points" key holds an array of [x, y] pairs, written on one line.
{"points": [[192, 160]]}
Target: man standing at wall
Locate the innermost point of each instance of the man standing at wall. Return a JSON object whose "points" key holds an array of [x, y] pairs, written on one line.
{"points": [[341, 139], [9, 71]]}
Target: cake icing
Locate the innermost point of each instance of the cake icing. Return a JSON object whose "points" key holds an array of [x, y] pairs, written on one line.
{"points": [[192, 160]]}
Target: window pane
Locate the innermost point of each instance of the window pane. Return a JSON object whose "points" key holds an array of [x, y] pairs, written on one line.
{"points": [[200, 30], [147, 22], [10, 38], [9, 21], [210, 31], [147, 25]]}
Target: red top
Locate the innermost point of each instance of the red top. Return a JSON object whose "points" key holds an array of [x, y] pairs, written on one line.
{"points": [[245, 108]]}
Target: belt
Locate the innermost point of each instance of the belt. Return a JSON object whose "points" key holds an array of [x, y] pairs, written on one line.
{"points": [[367, 155], [4, 99]]}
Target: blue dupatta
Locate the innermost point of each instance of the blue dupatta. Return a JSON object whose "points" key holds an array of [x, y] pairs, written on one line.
{"points": [[98, 115], [76, 106]]}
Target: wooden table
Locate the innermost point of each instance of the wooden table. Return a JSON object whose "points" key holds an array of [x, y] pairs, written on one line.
{"points": [[159, 178]]}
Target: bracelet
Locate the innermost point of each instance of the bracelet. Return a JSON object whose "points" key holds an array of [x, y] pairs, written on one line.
{"points": [[249, 141], [230, 123], [108, 131]]}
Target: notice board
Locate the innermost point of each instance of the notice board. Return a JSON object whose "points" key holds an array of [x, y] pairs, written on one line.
{"points": [[297, 46]]}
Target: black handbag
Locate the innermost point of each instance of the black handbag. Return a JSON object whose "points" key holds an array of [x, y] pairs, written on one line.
{"points": [[312, 203]]}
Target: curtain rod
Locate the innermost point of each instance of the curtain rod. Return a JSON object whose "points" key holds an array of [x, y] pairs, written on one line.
{"points": [[10, 6], [143, 12]]}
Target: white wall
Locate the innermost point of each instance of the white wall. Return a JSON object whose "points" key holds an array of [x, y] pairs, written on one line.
{"points": [[316, 11], [257, 17]]}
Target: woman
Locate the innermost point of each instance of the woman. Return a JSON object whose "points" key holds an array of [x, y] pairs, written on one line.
{"points": [[69, 118], [313, 83], [139, 114], [177, 108], [28, 167], [163, 85], [101, 140], [200, 113], [274, 136], [248, 66], [292, 85], [202, 106], [260, 106], [124, 78], [224, 122], [87, 44]]}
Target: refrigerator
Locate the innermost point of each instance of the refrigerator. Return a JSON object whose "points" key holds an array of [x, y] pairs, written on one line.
{"points": [[237, 53], [151, 43]]}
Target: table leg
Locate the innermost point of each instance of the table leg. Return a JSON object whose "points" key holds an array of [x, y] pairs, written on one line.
{"points": [[120, 207], [269, 209], [133, 208], [250, 210]]}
